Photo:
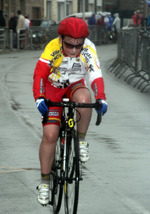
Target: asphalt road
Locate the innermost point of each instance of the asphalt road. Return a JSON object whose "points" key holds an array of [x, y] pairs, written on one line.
{"points": [[116, 179]]}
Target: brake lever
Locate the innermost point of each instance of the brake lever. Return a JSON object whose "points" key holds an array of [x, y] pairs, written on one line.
{"points": [[48, 103], [99, 119], [99, 114]]}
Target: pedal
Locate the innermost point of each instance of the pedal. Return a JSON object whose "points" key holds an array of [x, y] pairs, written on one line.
{"points": [[82, 162], [44, 205], [50, 203]]}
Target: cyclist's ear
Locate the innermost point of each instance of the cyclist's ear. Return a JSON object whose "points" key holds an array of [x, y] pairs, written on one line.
{"points": [[61, 38]]}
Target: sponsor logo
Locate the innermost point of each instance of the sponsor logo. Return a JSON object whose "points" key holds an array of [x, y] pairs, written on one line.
{"points": [[76, 67], [56, 55], [42, 89], [62, 69], [86, 55], [95, 89], [53, 113], [64, 62], [91, 68]]}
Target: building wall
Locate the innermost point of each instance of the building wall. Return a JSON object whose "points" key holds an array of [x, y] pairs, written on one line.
{"points": [[127, 7], [37, 8], [75, 6], [133, 5], [32, 6], [54, 10], [59, 12], [26, 6]]}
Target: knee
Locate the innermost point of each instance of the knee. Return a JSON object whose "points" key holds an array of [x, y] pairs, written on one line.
{"points": [[82, 96], [85, 98], [50, 138]]}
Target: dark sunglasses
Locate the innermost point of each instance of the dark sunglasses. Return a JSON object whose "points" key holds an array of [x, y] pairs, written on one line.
{"points": [[71, 46]]}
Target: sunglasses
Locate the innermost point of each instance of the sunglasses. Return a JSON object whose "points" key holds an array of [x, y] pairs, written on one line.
{"points": [[71, 46]]}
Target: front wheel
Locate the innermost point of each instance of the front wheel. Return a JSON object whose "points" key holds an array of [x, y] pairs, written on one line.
{"points": [[56, 184], [71, 185]]}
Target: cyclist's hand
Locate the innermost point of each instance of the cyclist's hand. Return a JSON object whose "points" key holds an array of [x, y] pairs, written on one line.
{"points": [[41, 105], [104, 106]]}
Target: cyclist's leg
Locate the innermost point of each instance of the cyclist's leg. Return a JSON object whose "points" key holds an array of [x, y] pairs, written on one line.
{"points": [[78, 92], [46, 155], [47, 147], [48, 144], [50, 129], [82, 95]]}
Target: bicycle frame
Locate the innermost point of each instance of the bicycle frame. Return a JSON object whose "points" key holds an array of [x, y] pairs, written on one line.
{"points": [[68, 124], [66, 171]]}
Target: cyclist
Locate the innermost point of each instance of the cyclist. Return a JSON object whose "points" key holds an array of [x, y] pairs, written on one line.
{"points": [[60, 71]]}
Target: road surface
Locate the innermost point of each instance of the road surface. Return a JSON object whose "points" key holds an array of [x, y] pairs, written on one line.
{"points": [[116, 179]]}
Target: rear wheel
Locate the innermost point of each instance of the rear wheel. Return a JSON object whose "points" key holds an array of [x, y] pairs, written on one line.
{"points": [[71, 185], [56, 184]]}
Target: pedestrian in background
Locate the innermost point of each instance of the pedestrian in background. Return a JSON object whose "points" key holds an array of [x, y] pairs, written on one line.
{"points": [[99, 30], [104, 28], [2, 19], [138, 18], [92, 27], [12, 26], [92, 19], [27, 28], [111, 19], [20, 28], [148, 21], [21, 21], [117, 24], [133, 19]]}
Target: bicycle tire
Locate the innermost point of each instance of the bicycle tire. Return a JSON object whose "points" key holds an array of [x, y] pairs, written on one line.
{"points": [[56, 183], [71, 185]]}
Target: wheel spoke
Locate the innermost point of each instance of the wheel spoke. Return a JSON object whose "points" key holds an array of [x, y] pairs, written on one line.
{"points": [[71, 187], [55, 180]]}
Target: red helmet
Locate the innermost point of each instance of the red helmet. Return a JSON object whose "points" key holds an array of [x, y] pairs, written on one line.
{"points": [[73, 27]]}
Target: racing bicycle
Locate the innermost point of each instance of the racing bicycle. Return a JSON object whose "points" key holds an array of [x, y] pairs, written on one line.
{"points": [[65, 173]]}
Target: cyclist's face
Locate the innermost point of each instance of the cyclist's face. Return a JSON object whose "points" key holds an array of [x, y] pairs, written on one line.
{"points": [[72, 47]]}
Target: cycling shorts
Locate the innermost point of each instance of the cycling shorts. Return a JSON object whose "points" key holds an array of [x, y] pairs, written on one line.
{"points": [[56, 95]]}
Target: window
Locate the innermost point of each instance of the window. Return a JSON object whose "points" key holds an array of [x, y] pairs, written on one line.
{"points": [[69, 8], [60, 8], [49, 9], [36, 12], [62, 11]]}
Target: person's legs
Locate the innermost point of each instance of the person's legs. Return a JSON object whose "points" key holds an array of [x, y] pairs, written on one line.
{"points": [[46, 155], [82, 95], [78, 92], [48, 144], [47, 147]]}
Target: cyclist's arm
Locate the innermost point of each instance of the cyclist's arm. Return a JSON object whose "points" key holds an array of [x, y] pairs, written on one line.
{"points": [[95, 73], [40, 77], [52, 56], [98, 88]]}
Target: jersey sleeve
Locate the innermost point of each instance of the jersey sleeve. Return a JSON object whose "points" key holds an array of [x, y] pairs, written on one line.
{"points": [[98, 87], [51, 57], [95, 74], [40, 76]]}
